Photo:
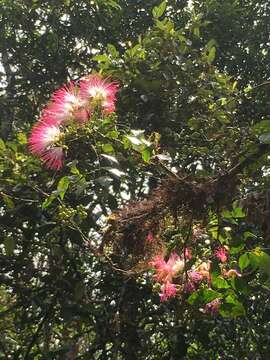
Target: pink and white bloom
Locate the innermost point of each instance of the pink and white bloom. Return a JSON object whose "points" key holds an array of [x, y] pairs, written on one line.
{"points": [[204, 270], [212, 307], [99, 91], [69, 105], [166, 270], [168, 290], [149, 237], [222, 254], [187, 253], [195, 276], [66, 106], [53, 158], [192, 281], [43, 143], [189, 287]]}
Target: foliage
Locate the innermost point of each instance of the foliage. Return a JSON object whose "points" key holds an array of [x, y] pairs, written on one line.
{"points": [[182, 164]]}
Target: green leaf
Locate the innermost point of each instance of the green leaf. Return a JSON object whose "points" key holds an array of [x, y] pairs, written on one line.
{"points": [[244, 261], [235, 249], [22, 139], [211, 43], [196, 31], [211, 55], [249, 235], [232, 305], [262, 260], [2, 145], [101, 58], [248, 89], [193, 298], [107, 148], [159, 10], [203, 296], [238, 212], [74, 170], [262, 127], [114, 5], [232, 308], [62, 186], [209, 295], [219, 283], [113, 134], [146, 155], [9, 244], [240, 285], [48, 201], [112, 50], [8, 201]]}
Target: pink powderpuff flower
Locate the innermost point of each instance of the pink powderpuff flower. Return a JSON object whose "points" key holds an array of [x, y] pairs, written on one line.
{"points": [[42, 143], [168, 290], [99, 91], [212, 307], [167, 270], [222, 254], [53, 158], [187, 253], [66, 106]]}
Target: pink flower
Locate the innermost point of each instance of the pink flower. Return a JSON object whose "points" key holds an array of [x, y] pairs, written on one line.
{"points": [[69, 104], [204, 270], [212, 307], [66, 106], [189, 287], [222, 254], [195, 276], [99, 91], [168, 290], [42, 142], [187, 253], [167, 270], [193, 280], [53, 158], [149, 237]]}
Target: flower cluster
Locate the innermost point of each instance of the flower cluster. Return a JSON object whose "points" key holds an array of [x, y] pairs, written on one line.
{"points": [[178, 275], [212, 307], [69, 105], [222, 254], [196, 275], [167, 271]]}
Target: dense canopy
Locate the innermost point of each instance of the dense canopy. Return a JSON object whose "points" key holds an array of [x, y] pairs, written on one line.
{"points": [[134, 167]]}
